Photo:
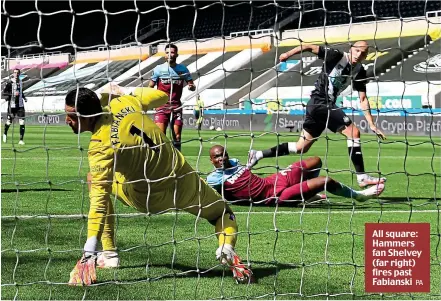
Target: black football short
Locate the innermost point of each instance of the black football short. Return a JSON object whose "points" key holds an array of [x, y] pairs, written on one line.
{"points": [[16, 112], [319, 117]]}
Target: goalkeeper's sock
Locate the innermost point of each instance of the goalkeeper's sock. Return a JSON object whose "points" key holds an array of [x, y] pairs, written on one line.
{"points": [[90, 246], [226, 227], [279, 150], [354, 150], [340, 189]]}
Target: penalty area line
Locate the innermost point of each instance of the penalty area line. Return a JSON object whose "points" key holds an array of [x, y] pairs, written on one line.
{"points": [[128, 215]]}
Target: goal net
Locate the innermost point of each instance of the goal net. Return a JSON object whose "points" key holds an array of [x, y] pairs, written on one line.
{"points": [[300, 248]]}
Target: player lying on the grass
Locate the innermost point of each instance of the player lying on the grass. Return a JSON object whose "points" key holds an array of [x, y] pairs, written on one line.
{"points": [[131, 158], [239, 183], [340, 70]]}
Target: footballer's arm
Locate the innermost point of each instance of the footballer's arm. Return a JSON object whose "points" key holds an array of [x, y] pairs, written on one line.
{"points": [[154, 78], [364, 104], [101, 176], [150, 98], [189, 80], [152, 84]]}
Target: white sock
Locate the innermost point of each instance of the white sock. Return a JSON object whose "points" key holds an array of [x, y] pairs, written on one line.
{"points": [[259, 155], [292, 147], [361, 176], [90, 246]]}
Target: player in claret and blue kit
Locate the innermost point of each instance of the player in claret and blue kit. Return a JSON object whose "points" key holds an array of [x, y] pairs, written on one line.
{"points": [[169, 78], [299, 180]]}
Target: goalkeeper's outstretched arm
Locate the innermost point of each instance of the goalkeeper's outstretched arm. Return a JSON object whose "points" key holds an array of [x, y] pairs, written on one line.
{"points": [[84, 102], [150, 98]]}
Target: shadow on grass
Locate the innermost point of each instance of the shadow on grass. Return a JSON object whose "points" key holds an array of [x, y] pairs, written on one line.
{"points": [[33, 189], [403, 199], [185, 271], [177, 270], [299, 205]]}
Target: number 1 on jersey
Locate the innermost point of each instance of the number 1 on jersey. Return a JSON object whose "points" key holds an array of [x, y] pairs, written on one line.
{"points": [[135, 131]]}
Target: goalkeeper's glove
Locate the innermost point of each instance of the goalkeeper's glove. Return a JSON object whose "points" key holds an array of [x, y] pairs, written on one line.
{"points": [[84, 272]]}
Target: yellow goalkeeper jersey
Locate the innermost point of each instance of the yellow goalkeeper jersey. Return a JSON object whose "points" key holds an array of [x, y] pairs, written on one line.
{"points": [[126, 144]]}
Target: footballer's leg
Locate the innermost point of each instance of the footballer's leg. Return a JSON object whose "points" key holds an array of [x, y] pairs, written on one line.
{"points": [[306, 169], [294, 177], [341, 123], [321, 183], [162, 119], [312, 129], [21, 121], [109, 257], [7, 125], [206, 203], [177, 129]]}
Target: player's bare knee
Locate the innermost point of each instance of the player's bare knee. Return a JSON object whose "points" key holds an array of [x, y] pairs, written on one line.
{"points": [[351, 131], [317, 162], [303, 148], [355, 131]]}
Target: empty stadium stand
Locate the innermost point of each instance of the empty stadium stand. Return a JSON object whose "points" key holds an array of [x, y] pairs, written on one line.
{"points": [[207, 19], [139, 72], [422, 65], [218, 60], [31, 74], [93, 76], [251, 70], [216, 19], [343, 12]]}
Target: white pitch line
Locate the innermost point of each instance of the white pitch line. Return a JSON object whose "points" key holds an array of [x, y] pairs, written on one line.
{"points": [[189, 156], [236, 213]]}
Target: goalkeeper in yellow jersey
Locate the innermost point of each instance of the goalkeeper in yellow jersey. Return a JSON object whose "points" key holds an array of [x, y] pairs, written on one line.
{"points": [[131, 158]]}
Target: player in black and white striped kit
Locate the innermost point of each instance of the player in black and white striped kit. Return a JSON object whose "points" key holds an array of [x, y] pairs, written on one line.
{"points": [[15, 97], [340, 70]]}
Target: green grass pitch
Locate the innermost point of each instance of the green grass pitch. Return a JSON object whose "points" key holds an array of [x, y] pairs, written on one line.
{"points": [[312, 252]]}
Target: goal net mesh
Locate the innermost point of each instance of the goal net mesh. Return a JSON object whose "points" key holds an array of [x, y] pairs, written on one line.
{"points": [[296, 249]]}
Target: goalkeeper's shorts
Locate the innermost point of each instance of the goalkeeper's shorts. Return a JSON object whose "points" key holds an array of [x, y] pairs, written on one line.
{"points": [[192, 195]]}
